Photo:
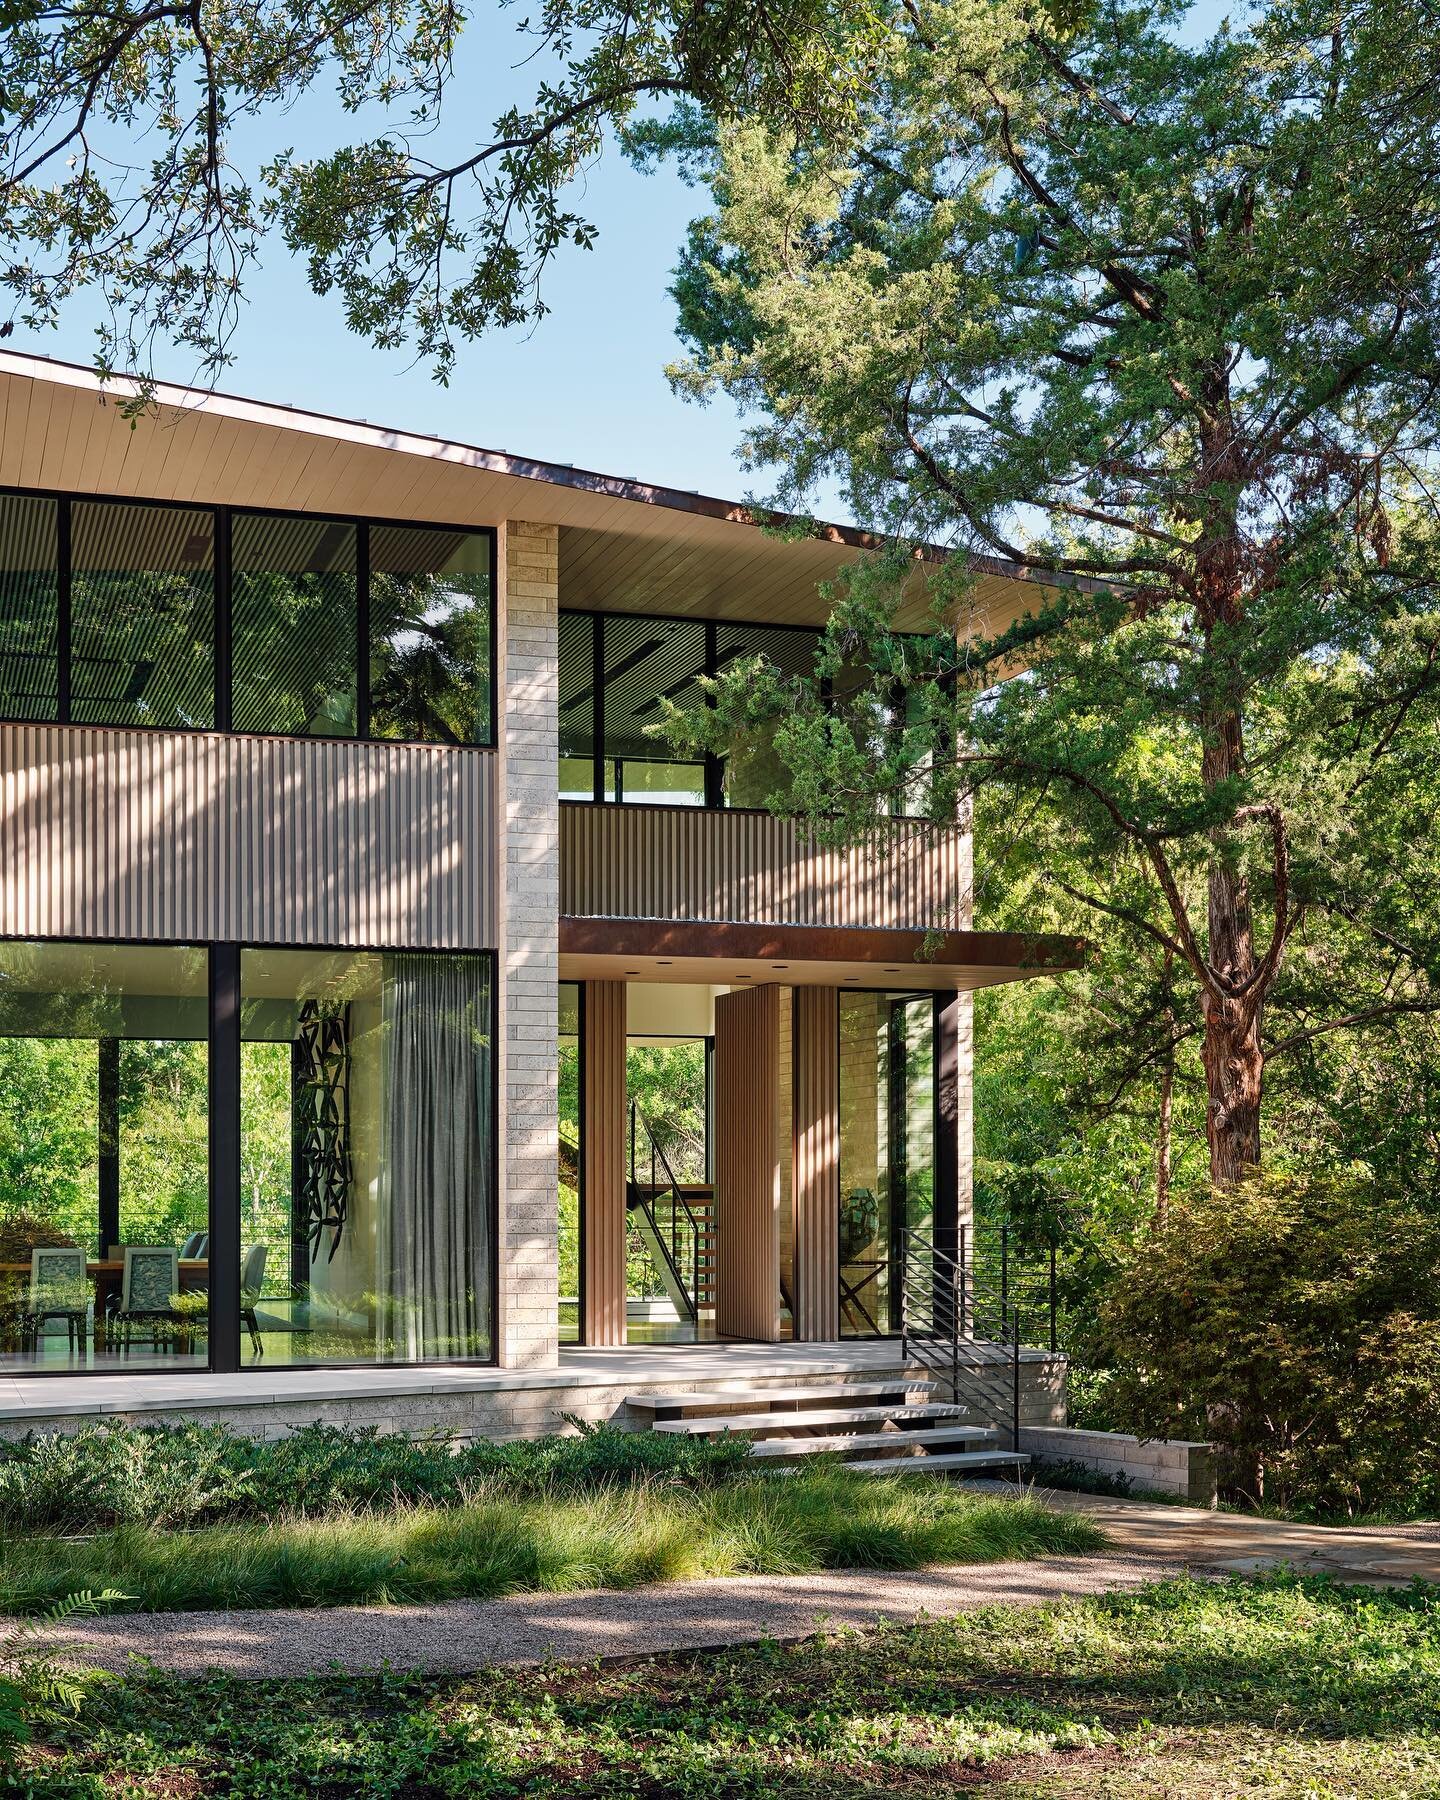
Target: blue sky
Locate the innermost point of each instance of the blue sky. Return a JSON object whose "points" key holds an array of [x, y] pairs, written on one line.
{"points": [[585, 386]]}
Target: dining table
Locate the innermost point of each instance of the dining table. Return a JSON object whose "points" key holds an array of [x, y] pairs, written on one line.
{"points": [[107, 1273]]}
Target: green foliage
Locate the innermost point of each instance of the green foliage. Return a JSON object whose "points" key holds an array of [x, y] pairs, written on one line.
{"points": [[1187, 1689], [1069, 1476], [1294, 1322], [189, 1474], [1133, 308], [616, 1533], [33, 1685], [426, 232]]}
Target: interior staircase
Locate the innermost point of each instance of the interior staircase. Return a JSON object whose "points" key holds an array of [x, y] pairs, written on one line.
{"points": [[870, 1425], [676, 1222]]}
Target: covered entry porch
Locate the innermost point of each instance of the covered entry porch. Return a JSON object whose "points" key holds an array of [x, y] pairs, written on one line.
{"points": [[837, 1120]]}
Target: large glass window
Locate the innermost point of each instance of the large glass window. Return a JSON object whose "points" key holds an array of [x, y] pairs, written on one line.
{"points": [[648, 662], [887, 1149], [293, 625], [104, 1157], [429, 635], [611, 744], [142, 604], [367, 1155], [29, 607], [753, 770]]}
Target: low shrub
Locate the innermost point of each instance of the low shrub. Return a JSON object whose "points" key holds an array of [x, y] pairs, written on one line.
{"points": [[1074, 1477], [1294, 1322], [186, 1475]]}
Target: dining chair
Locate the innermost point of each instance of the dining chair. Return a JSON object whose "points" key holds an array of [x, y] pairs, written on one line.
{"points": [[59, 1289], [252, 1277], [196, 1247], [148, 1285]]}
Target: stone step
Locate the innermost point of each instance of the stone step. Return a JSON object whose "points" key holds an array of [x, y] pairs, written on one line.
{"points": [[907, 1443], [957, 1463], [750, 1396], [769, 1423]]}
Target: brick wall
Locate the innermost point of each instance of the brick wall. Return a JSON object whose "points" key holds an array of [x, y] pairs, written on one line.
{"points": [[528, 909]]}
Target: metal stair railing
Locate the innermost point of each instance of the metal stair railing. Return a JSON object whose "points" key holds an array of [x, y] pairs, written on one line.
{"points": [[961, 1327], [678, 1238]]}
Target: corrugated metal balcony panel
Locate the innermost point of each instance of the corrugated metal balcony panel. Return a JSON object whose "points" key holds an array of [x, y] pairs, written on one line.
{"points": [[202, 837], [649, 862]]}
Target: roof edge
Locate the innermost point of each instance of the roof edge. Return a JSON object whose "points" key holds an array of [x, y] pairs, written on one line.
{"points": [[35, 366]]}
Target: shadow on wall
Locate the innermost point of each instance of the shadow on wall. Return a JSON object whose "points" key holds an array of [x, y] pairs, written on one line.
{"points": [[206, 838]]}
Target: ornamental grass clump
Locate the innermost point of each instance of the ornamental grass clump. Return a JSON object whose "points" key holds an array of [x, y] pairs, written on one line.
{"points": [[189, 1475], [615, 1536]]}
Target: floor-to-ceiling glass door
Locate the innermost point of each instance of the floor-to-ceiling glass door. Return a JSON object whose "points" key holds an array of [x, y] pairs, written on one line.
{"points": [[887, 1149], [670, 1220]]}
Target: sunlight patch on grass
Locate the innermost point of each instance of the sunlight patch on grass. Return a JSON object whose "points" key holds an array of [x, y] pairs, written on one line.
{"points": [[823, 1518]]}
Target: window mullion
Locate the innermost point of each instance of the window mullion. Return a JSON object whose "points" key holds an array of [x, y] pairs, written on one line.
{"points": [[63, 629]]}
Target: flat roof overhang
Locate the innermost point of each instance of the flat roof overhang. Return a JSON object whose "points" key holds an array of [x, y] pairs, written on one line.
{"points": [[625, 545], [729, 954]]}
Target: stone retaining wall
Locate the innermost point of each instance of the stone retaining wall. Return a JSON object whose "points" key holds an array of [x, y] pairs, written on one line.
{"points": [[1162, 1466]]}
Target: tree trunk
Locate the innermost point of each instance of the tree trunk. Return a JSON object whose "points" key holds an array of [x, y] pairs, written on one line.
{"points": [[1234, 1060], [1162, 1149], [1234, 1075]]}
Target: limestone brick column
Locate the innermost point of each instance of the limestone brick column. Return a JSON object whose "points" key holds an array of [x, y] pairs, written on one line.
{"points": [[528, 897]]}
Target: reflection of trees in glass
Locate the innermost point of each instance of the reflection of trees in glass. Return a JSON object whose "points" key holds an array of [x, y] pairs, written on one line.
{"points": [[49, 1137], [143, 647], [48, 1132], [294, 652], [430, 657], [164, 1141], [265, 1156]]}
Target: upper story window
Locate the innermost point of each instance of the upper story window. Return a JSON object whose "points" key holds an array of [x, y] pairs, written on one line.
{"points": [[617, 671], [117, 612]]}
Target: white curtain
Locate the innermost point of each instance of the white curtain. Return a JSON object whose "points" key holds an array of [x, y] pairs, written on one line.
{"points": [[437, 1157]]}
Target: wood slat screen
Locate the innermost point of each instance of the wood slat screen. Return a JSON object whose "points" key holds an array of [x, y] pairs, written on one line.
{"points": [[197, 837], [747, 1165], [651, 862]]}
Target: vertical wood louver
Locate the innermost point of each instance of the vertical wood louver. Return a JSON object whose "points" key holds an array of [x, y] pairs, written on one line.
{"points": [[602, 1140], [196, 837], [815, 1300], [750, 867], [747, 1165]]}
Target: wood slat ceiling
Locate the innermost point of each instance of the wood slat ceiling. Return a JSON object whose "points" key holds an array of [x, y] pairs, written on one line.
{"points": [[624, 546]]}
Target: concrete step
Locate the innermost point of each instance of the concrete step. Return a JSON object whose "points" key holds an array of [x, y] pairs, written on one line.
{"points": [[957, 1464], [769, 1423], [719, 1398], [977, 1436]]}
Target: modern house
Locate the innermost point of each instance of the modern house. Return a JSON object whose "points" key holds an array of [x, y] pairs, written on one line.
{"points": [[332, 820]]}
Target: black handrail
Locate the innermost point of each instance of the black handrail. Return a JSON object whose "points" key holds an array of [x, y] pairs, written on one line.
{"points": [[644, 1198], [956, 1322]]}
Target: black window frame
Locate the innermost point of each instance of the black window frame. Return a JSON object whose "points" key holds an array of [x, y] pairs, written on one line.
{"points": [[713, 799], [222, 1043], [223, 516]]}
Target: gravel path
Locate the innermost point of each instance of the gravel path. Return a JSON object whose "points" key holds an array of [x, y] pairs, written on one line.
{"points": [[1144, 1543], [530, 1628]]}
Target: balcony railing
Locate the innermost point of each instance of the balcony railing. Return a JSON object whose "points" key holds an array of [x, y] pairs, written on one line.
{"points": [[662, 862]]}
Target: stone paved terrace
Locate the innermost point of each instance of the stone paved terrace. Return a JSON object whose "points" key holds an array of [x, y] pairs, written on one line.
{"points": [[588, 1383]]}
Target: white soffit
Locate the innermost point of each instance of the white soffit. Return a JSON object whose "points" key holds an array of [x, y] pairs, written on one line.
{"points": [[624, 544]]}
